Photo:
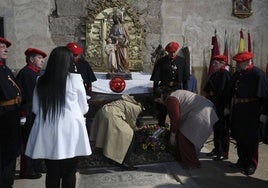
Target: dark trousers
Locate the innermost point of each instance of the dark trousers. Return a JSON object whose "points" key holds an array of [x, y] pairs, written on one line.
{"points": [[9, 145], [221, 137], [7, 173], [248, 155], [162, 115], [61, 172], [25, 161], [27, 165]]}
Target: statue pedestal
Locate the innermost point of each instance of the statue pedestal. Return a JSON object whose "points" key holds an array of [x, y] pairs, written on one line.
{"points": [[125, 76]]}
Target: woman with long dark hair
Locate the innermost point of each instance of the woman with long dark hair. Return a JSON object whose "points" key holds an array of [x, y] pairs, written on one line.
{"points": [[59, 133]]}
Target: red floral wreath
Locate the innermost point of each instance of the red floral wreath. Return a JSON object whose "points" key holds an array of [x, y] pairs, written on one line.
{"points": [[117, 84]]}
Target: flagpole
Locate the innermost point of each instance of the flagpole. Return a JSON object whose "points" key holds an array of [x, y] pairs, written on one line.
{"points": [[241, 46]]}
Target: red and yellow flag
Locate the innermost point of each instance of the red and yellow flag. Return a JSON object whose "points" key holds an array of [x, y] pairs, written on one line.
{"points": [[241, 47], [214, 51]]}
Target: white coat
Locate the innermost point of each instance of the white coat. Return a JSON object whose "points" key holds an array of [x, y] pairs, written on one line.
{"points": [[67, 136]]}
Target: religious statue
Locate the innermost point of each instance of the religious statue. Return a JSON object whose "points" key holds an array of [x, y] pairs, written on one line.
{"points": [[120, 37], [110, 49]]}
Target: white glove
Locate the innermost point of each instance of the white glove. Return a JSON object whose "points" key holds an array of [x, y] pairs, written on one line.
{"points": [[22, 120], [88, 97], [263, 118], [226, 111]]}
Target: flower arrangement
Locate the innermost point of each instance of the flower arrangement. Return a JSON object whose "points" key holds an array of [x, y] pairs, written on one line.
{"points": [[152, 138]]}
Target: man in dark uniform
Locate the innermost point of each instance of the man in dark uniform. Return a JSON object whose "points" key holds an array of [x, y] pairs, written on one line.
{"points": [[27, 79], [249, 91], [82, 67], [9, 119], [216, 90], [170, 72]]}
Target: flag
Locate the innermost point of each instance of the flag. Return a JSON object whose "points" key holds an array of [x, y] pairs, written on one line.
{"points": [[241, 47], [214, 51], [226, 50], [249, 42], [186, 54]]}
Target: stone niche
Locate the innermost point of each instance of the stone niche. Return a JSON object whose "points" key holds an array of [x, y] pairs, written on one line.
{"points": [[99, 22]]}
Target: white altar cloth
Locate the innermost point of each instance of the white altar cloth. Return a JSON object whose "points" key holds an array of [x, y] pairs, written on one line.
{"points": [[140, 83]]}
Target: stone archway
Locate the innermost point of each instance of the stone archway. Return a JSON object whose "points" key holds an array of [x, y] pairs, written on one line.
{"points": [[97, 28]]}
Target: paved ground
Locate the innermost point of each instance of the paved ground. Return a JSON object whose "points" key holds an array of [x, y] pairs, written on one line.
{"points": [[168, 175]]}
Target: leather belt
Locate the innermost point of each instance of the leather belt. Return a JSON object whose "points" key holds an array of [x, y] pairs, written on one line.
{"points": [[171, 84], [243, 100], [15, 101]]}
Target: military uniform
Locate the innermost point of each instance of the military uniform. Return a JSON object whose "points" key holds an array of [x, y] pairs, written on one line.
{"points": [[82, 67], [249, 89], [216, 90], [170, 73], [10, 95], [27, 78]]}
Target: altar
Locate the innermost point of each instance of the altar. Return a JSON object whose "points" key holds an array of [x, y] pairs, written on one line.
{"points": [[141, 87], [139, 84]]}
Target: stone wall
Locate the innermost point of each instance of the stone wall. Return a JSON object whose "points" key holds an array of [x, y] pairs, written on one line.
{"points": [[197, 20], [45, 24], [26, 25]]}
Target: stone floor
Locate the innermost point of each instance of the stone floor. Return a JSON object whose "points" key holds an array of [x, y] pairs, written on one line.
{"points": [[213, 174]]}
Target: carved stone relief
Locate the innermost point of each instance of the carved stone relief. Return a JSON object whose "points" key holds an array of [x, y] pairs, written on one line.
{"points": [[98, 26]]}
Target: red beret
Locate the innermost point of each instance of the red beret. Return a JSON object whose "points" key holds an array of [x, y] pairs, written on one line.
{"points": [[172, 47], [5, 41], [75, 48], [220, 58], [31, 51], [243, 56]]}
